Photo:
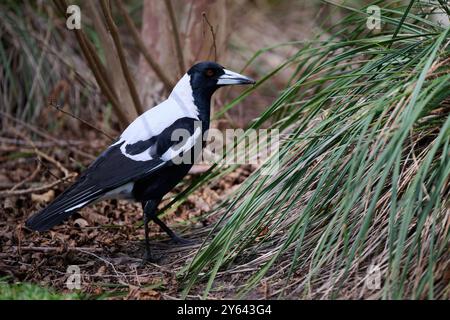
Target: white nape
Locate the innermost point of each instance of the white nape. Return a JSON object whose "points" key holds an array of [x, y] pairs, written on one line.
{"points": [[183, 95]]}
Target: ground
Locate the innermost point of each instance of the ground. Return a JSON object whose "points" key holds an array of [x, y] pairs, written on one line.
{"points": [[104, 240]]}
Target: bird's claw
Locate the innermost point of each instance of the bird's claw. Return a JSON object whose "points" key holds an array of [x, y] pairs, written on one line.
{"points": [[150, 258], [181, 241]]}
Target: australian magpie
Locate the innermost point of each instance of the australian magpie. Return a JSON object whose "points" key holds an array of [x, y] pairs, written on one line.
{"points": [[140, 164]]}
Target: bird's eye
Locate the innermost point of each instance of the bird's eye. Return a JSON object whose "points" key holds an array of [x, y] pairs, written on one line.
{"points": [[209, 72]]}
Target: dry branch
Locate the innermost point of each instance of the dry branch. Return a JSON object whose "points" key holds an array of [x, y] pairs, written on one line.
{"points": [[213, 34], [40, 144], [29, 178], [168, 84], [40, 155], [120, 51], [176, 35], [8, 193], [100, 76], [52, 249], [57, 107], [115, 75], [45, 135]]}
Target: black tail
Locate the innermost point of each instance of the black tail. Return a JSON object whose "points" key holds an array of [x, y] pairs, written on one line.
{"points": [[70, 201]]}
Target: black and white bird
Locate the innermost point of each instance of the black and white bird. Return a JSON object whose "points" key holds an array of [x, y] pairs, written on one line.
{"points": [[140, 164]]}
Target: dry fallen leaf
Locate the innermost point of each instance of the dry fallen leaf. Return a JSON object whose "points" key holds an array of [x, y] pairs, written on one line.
{"points": [[142, 293], [8, 203], [101, 271], [43, 198], [94, 218], [80, 223]]}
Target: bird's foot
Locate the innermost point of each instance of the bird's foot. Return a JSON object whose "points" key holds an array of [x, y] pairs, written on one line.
{"points": [[181, 241], [150, 258]]}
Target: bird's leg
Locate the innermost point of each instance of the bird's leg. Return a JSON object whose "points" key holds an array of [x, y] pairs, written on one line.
{"points": [[175, 238], [154, 217], [148, 208]]}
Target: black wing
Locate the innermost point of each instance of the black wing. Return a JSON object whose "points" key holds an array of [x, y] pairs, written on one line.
{"points": [[109, 171]]}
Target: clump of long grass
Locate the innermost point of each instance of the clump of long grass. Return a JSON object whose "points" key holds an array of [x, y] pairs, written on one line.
{"points": [[38, 62], [359, 207]]}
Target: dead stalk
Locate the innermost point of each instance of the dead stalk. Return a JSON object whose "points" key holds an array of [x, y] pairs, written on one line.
{"points": [[176, 35], [57, 107], [5, 194], [213, 34], [168, 84], [120, 52]]}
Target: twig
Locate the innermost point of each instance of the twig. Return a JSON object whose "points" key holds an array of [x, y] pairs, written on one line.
{"points": [[9, 185], [29, 178], [119, 274], [51, 249], [57, 107], [120, 52], [46, 135], [213, 34], [4, 194], [31, 128], [169, 84], [39, 155], [54, 161], [39, 144], [176, 36], [100, 76], [111, 275]]}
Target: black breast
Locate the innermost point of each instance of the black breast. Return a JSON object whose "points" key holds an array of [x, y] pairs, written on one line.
{"points": [[155, 186]]}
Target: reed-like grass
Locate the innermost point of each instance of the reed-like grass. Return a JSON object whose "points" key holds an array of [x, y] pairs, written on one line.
{"points": [[361, 194]]}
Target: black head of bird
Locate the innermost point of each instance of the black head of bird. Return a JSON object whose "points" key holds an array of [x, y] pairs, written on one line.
{"points": [[200, 83], [140, 164], [211, 76]]}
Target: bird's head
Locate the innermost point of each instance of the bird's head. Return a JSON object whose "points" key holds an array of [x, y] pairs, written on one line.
{"points": [[196, 87], [211, 76]]}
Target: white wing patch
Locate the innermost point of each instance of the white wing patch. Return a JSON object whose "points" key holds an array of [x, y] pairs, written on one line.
{"points": [[143, 156]]}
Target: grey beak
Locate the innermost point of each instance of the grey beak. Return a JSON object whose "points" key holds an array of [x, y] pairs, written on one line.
{"points": [[230, 78]]}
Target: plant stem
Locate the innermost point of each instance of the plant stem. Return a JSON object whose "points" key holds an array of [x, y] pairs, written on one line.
{"points": [[120, 52]]}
